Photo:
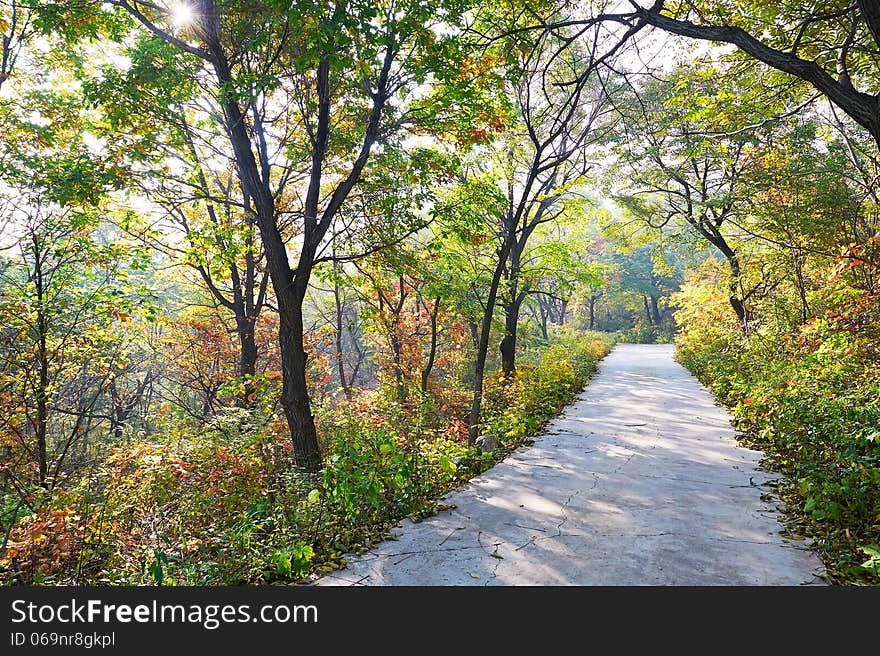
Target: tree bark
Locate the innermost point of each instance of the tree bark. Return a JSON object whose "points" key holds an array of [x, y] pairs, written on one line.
{"points": [[647, 310], [295, 398], [42, 392], [735, 301], [247, 358], [432, 351], [508, 342], [655, 310], [592, 307]]}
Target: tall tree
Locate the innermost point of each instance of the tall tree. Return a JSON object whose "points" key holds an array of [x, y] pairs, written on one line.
{"points": [[524, 178], [684, 161], [335, 72]]}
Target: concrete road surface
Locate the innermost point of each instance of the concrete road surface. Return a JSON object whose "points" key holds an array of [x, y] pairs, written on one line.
{"points": [[639, 482]]}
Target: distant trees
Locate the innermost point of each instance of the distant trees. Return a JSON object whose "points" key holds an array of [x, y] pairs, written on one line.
{"points": [[62, 296], [678, 169]]}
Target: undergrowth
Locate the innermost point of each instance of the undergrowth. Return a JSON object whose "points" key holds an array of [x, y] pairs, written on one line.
{"points": [[227, 506]]}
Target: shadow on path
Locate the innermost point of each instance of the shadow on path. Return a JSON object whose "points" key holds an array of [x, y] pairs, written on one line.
{"points": [[639, 482]]}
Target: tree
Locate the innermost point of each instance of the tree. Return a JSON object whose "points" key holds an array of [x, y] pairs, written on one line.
{"points": [[400, 310], [685, 162], [60, 298], [525, 177], [802, 208], [201, 200], [339, 73]]}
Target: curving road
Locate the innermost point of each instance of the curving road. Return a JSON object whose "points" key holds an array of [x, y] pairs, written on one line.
{"points": [[639, 482]]}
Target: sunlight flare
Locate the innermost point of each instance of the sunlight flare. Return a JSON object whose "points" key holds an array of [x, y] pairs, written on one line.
{"points": [[181, 14]]}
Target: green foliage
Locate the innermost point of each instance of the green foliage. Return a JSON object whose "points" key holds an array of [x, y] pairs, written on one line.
{"points": [[515, 409]]}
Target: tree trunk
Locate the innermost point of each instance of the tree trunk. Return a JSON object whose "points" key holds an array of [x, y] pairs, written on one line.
{"points": [[647, 310], [295, 392], [396, 352], [42, 392], [736, 303], [432, 352], [801, 285], [655, 310], [474, 415], [511, 310], [474, 331], [247, 359], [42, 421], [717, 239], [508, 342]]}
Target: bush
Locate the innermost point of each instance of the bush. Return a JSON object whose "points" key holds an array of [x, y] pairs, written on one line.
{"points": [[227, 506], [810, 399]]}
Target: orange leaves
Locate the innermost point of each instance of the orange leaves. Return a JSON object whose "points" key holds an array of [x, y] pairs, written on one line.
{"points": [[43, 543], [477, 67], [857, 256], [456, 430]]}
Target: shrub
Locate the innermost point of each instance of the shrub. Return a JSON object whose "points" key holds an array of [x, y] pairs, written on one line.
{"points": [[226, 506], [810, 399]]}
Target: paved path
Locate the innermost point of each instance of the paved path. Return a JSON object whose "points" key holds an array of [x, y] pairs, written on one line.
{"points": [[639, 482]]}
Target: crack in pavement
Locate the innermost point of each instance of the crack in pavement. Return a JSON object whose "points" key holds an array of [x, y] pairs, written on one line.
{"points": [[497, 557], [564, 511], [529, 528]]}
